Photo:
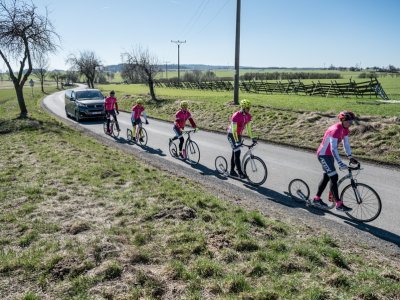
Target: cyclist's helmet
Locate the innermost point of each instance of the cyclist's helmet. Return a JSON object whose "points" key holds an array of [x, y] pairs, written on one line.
{"points": [[245, 104], [184, 104], [346, 116], [139, 101], [112, 93]]}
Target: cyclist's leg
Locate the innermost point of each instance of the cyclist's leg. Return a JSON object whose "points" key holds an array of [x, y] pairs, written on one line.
{"points": [[181, 141], [115, 119], [108, 120], [178, 133], [328, 166], [235, 159], [334, 188], [139, 127]]}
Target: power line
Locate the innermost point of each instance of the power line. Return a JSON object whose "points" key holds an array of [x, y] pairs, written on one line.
{"points": [[213, 18], [194, 19]]}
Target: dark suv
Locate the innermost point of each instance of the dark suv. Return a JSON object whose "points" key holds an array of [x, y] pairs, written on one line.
{"points": [[84, 104]]}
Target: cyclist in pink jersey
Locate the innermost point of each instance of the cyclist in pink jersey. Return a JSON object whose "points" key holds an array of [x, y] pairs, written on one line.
{"points": [[328, 152], [181, 117], [111, 106], [240, 120], [137, 111]]}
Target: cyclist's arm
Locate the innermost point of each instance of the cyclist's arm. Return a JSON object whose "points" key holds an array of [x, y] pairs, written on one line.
{"points": [[346, 146], [249, 132], [145, 116], [234, 132], [133, 115], [116, 106], [192, 122], [334, 148]]}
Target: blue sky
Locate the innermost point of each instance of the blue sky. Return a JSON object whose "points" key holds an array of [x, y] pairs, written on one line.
{"points": [[284, 33]]}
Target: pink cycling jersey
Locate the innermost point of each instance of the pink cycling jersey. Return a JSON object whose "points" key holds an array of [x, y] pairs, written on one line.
{"points": [[137, 111], [334, 135], [110, 102], [241, 119], [181, 117]]}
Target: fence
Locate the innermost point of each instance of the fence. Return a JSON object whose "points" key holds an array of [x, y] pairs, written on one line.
{"points": [[371, 88]]}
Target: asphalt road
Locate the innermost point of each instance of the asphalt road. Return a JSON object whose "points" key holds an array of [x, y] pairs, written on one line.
{"points": [[283, 163]]}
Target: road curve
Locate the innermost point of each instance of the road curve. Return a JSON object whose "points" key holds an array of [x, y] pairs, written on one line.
{"points": [[283, 164]]}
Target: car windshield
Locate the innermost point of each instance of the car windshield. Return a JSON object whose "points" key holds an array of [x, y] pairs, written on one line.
{"points": [[89, 95]]}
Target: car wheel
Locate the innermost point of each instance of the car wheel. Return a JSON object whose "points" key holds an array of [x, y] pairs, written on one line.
{"points": [[77, 117], [66, 113]]}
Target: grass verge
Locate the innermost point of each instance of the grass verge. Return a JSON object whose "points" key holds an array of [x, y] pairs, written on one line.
{"points": [[80, 220]]}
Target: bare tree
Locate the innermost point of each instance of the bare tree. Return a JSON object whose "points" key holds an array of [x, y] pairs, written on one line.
{"points": [[41, 70], [23, 33], [145, 64], [130, 73], [56, 75], [86, 64]]}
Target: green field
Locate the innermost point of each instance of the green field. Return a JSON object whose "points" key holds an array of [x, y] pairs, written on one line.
{"points": [[283, 119], [119, 227]]}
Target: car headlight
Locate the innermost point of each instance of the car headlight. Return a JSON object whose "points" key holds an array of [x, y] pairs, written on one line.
{"points": [[81, 104]]}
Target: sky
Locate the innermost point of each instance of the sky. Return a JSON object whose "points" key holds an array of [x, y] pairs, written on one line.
{"points": [[284, 33]]}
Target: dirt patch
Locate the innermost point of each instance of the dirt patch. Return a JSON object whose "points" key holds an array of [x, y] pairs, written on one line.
{"points": [[77, 227], [183, 213]]}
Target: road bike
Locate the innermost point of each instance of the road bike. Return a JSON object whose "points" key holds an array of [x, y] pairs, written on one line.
{"points": [[253, 166], [190, 151], [140, 136], [364, 201], [113, 126]]}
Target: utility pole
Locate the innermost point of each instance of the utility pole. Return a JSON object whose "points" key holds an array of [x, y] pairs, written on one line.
{"points": [[237, 50], [166, 69], [179, 44]]}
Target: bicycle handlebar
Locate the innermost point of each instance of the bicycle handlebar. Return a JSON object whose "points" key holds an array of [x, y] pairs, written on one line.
{"points": [[357, 167], [188, 131]]}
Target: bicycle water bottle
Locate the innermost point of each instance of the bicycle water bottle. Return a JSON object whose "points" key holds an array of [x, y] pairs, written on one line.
{"points": [[184, 153], [330, 196]]}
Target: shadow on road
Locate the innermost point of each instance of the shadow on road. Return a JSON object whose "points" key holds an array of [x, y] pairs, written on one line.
{"points": [[287, 200]]}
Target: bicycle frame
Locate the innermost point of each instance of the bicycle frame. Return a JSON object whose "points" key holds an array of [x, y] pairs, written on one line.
{"points": [[352, 181], [248, 153]]}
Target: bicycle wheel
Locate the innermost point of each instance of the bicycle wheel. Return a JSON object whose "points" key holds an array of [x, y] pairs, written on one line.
{"points": [[143, 137], [129, 135], [114, 130], [105, 127], [192, 152], [256, 170], [299, 190], [365, 202], [173, 150], [221, 165]]}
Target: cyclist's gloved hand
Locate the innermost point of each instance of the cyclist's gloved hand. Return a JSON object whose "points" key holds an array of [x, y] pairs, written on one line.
{"points": [[196, 129], [238, 144], [254, 140], [342, 166], [147, 122], [117, 112], [353, 161]]}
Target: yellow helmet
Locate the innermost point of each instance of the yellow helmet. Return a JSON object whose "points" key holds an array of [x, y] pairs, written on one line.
{"points": [[184, 104], [139, 101], [245, 104]]}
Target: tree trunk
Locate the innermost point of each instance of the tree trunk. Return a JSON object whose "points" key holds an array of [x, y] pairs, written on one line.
{"points": [[21, 101], [42, 85], [151, 86]]}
